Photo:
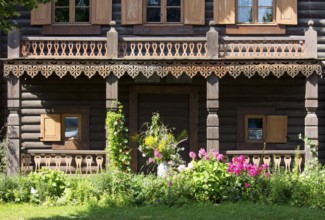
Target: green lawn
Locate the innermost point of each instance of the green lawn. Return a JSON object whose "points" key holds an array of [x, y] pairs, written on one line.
{"points": [[224, 211]]}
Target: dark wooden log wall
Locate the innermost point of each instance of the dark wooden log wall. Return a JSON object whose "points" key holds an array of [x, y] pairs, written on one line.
{"points": [[313, 9], [40, 94]]}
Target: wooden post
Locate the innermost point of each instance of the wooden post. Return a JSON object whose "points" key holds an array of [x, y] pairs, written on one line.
{"points": [[311, 120], [212, 107], [13, 99], [112, 41], [111, 92], [212, 42], [311, 41]]}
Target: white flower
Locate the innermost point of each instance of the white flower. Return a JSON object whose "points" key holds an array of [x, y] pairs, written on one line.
{"points": [[33, 191], [181, 168], [190, 166], [143, 155]]}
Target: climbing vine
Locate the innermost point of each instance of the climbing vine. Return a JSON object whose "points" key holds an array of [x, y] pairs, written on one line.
{"points": [[117, 149]]}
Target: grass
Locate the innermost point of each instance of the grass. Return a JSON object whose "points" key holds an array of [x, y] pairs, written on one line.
{"points": [[223, 211]]}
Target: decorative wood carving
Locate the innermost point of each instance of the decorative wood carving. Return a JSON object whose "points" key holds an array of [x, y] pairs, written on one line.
{"points": [[162, 68]]}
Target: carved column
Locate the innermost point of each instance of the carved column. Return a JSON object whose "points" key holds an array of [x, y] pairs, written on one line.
{"points": [[311, 120], [13, 103], [111, 92], [212, 42], [212, 107]]}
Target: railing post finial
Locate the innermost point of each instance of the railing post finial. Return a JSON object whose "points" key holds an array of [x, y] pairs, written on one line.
{"points": [[112, 41], [212, 41], [311, 41]]}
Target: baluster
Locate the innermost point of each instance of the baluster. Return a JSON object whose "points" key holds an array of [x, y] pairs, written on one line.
{"points": [[290, 48], [303, 48], [106, 50], [34, 46], [268, 50], [37, 160], [99, 161], [267, 161], [26, 161], [162, 49], [147, 48], [132, 46], [199, 49], [287, 162], [192, 45], [247, 48], [47, 159], [92, 49], [240, 49], [49, 47], [206, 49], [277, 161], [78, 160], [298, 162], [89, 160], [63, 47], [256, 160], [261, 49], [56, 49], [154, 48], [41, 48], [283, 48], [78, 48], [140, 46], [184, 46], [177, 47], [247, 159], [70, 45], [99, 48], [68, 162], [254, 47], [85, 49], [57, 160], [170, 49]]}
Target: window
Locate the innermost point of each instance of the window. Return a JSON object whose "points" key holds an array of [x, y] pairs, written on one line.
{"points": [[255, 11], [71, 11], [68, 128], [265, 128], [163, 11]]}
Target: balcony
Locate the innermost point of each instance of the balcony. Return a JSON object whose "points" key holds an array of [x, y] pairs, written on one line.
{"points": [[210, 47]]}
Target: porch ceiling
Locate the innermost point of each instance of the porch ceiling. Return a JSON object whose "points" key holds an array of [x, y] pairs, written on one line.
{"points": [[248, 68]]}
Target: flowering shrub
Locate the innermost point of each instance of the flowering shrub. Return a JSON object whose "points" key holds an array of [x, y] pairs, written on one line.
{"points": [[117, 148], [208, 176], [158, 143], [247, 180]]}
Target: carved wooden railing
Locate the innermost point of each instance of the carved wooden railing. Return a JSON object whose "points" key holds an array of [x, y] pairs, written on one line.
{"points": [[273, 158], [69, 161], [261, 47], [163, 47], [64, 47]]}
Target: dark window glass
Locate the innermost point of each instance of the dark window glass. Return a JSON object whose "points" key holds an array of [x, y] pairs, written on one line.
{"points": [[61, 2], [62, 15], [71, 127], [153, 3], [82, 14], [173, 15], [81, 3], [255, 129], [153, 15], [173, 2]]}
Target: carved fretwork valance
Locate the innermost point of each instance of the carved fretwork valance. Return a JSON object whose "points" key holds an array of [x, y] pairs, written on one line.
{"points": [[162, 68]]}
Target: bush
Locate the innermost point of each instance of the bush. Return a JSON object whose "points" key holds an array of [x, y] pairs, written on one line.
{"points": [[3, 158]]}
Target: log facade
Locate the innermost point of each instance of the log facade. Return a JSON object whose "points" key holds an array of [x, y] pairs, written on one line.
{"points": [[121, 61]]}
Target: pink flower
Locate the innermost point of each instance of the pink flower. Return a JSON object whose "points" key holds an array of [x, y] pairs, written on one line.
{"points": [[220, 157], [207, 157], [151, 160], [192, 155], [265, 166], [157, 154], [247, 185], [202, 153]]}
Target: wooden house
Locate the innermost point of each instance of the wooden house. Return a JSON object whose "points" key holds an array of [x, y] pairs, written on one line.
{"points": [[239, 76]]}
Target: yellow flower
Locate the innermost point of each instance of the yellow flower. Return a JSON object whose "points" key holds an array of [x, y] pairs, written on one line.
{"points": [[162, 145], [150, 141]]}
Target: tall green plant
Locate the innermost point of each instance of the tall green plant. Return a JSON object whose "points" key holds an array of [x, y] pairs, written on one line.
{"points": [[3, 158], [117, 149]]}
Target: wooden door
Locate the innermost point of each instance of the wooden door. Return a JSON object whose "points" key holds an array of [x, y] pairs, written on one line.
{"points": [[178, 107]]}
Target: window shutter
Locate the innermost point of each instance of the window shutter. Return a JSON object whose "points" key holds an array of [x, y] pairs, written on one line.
{"points": [[50, 127], [276, 128], [131, 12], [41, 15], [224, 11], [101, 11], [194, 11], [286, 12]]}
